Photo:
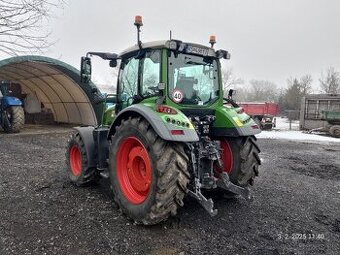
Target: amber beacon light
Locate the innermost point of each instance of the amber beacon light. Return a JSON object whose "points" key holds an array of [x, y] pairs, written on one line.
{"points": [[138, 21], [212, 40]]}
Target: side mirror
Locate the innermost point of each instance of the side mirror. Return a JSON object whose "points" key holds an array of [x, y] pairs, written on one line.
{"points": [[85, 69], [231, 93], [113, 63], [223, 54]]}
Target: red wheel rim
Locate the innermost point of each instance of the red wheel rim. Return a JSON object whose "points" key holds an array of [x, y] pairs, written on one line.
{"points": [[227, 157], [75, 160], [133, 170]]}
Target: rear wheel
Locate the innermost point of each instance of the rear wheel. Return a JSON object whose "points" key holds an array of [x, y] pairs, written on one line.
{"points": [[149, 176], [335, 130], [241, 159], [15, 119], [76, 161]]}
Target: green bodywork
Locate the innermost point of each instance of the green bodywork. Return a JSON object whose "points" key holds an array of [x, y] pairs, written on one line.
{"points": [[331, 115], [109, 115], [227, 116]]}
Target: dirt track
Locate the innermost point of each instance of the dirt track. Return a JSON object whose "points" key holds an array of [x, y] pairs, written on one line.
{"points": [[296, 208]]}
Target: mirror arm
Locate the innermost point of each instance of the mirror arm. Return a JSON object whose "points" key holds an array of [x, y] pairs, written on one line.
{"points": [[103, 55], [231, 101]]}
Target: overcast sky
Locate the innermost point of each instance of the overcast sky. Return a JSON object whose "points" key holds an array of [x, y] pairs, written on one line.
{"points": [[268, 39]]}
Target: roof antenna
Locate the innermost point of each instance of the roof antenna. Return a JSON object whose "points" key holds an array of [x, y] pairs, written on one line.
{"points": [[170, 35], [138, 23]]}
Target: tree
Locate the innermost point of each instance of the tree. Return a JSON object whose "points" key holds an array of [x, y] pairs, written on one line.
{"points": [[330, 82], [21, 25], [290, 98], [229, 80], [305, 84], [293, 95], [262, 90]]}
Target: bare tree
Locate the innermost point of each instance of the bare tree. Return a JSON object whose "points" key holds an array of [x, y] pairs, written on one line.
{"points": [[21, 25], [305, 84], [262, 90], [229, 79], [330, 82]]}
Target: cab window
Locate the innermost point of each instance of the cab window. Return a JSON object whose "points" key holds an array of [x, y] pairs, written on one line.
{"points": [[128, 79], [150, 76]]}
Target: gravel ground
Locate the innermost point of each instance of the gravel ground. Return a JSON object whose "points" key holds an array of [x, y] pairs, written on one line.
{"points": [[295, 209]]}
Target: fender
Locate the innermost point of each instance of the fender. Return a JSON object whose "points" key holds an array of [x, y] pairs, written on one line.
{"points": [[161, 128], [86, 134], [10, 101]]}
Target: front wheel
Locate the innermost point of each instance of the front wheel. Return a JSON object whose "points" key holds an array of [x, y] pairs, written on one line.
{"points": [[77, 168], [149, 176], [14, 119]]}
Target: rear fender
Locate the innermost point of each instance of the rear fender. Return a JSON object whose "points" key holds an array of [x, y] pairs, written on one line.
{"points": [[162, 128], [86, 134]]}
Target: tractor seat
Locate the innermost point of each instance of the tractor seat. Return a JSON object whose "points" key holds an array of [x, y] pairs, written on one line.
{"points": [[186, 85]]}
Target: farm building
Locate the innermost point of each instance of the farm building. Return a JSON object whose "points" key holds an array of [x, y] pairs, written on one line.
{"points": [[53, 87]]}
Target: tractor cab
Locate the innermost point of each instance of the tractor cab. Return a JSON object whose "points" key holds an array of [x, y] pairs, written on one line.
{"points": [[181, 75]]}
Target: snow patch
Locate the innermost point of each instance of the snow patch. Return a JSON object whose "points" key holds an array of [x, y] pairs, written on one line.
{"points": [[282, 131]]}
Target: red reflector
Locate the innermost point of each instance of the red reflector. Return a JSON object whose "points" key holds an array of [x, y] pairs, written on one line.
{"points": [[255, 126], [165, 109], [177, 132]]}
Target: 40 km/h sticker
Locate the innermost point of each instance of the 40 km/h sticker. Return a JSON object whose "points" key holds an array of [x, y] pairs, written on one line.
{"points": [[177, 96]]}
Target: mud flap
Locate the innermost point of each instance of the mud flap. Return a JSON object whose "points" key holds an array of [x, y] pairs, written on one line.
{"points": [[86, 134]]}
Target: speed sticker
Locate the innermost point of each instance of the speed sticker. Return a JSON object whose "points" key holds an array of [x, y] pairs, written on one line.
{"points": [[177, 95]]}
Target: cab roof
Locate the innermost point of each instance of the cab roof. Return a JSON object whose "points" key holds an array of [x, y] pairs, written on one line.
{"points": [[159, 45]]}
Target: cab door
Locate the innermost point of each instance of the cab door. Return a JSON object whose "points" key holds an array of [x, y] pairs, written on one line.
{"points": [[128, 81]]}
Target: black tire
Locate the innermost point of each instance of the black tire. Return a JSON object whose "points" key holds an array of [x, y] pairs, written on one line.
{"points": [[169, 173], [258, 121], [80, 175], [335, 131], [15, 119], [246, 160]]}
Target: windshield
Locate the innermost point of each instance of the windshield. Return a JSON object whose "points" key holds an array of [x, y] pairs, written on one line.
{"points": [[193, 80]]}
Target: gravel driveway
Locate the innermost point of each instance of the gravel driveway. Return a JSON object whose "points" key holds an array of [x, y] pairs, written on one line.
{"points": [[295, 210]]}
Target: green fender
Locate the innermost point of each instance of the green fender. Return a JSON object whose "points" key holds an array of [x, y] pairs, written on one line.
{"points": [[162, 128]]}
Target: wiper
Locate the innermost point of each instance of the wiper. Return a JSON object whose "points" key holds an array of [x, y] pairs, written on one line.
{"points": [[149, 96], [197, 63]]}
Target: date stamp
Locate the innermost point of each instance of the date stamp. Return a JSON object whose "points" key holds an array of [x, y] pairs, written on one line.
{"points": [[301, 236]]}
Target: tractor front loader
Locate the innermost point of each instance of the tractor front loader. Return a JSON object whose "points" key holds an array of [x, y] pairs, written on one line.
{"points": [[172, 133]]}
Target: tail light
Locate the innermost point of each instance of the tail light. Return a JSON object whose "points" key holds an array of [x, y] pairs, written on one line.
{"points": [[177, 132], [165, 109]]}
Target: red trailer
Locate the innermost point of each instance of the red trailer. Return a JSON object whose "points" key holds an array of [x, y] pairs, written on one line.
{"points": [[262, 112]]}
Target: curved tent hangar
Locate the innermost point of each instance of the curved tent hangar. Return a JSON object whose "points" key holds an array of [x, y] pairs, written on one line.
{"points": [[55, 85]]}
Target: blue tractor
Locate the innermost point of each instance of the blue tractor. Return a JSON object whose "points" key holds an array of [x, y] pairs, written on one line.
{"points": [[12, 117]]}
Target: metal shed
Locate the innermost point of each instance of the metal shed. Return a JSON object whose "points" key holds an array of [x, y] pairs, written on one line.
{"points": [[56, 84], [312, 106]]}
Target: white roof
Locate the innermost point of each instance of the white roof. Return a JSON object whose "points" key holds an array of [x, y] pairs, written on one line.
{"points": [[157, 44]]}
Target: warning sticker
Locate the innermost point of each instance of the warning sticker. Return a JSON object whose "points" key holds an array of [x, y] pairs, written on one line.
{"points": [[177, 96]]}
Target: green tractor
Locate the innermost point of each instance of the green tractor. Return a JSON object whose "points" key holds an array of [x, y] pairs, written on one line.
{"points": [[172, 133]]}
